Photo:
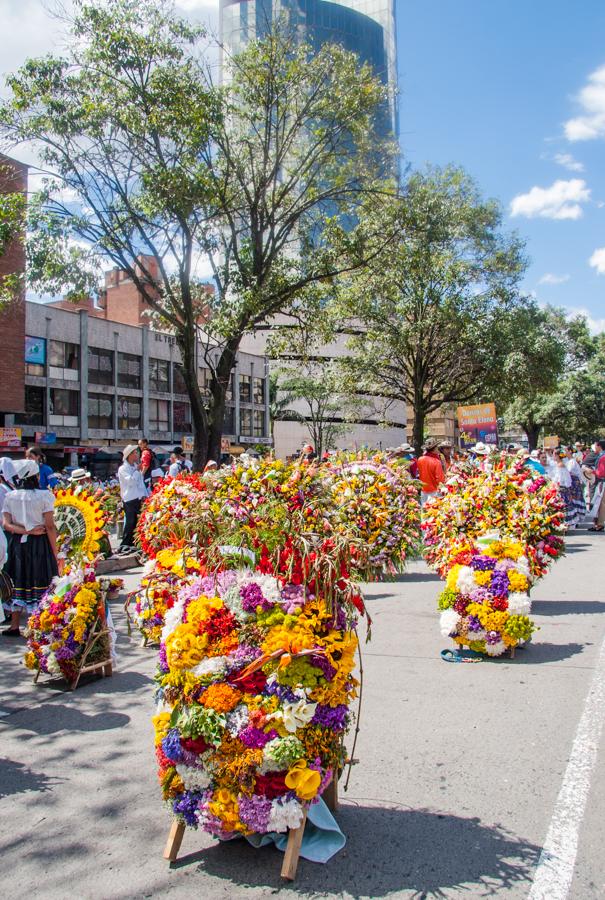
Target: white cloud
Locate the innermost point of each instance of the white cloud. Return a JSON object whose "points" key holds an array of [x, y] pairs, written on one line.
{"points": [[568, 162], [549, 278], [597, 260], [591, 99], [562, 200], [595, 326]]}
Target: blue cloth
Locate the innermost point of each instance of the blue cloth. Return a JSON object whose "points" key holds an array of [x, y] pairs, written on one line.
{"points": [[47, 477], [536, 465], [321, 840]]}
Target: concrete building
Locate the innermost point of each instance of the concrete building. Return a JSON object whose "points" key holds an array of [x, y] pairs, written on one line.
{"points": [[99, 384], [367, 28], [13, 179]]}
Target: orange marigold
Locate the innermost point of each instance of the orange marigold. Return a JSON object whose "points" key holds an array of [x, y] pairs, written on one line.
{"points": [[221, 697]]}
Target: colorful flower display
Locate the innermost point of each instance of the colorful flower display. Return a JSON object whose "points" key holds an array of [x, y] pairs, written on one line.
{"points": [[60, 628], [80, 522], [176, 512], [162, 579], [255, 681], [491, 535]]}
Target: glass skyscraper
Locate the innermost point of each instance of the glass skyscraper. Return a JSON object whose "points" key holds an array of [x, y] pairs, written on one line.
{"points": [[365, 27]]}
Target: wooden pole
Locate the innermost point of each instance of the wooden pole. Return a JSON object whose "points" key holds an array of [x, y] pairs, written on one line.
{"points": [[175, 839], [330, 794], [292, 855]]}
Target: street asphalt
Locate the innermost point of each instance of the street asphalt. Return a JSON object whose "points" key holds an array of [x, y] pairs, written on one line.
{"points": [[460, 766]]}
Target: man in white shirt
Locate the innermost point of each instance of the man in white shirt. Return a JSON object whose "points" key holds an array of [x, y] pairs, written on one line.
{"points": [[178, 463], [132, 491]]}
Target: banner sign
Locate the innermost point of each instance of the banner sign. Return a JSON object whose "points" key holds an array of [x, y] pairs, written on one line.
{"points": [[10, 437], [35, 350], [551, 442], [478, 423], [46, 438]]}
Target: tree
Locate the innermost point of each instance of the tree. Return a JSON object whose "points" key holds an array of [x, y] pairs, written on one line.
{"points": [[258, 177], [543, 347], [431, 304]]}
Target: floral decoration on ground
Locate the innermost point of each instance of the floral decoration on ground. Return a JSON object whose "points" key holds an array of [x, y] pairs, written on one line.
{"points": [[161, 581], [68, 615], [80, 522]]}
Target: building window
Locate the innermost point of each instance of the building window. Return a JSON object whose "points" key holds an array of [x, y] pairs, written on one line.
{"points": [[204, 380], [159, 415], [182, 416], [100, 366], [64, 407], [64, 361], [129, 370], [34, 407], [258, 388], [35, 355], [245, 426], [245, 388], [178, 382], [159, 377], [129, 414], [100, 411], [229, 420], [259, 423]]}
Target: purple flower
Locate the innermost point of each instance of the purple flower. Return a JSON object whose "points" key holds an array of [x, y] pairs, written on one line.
{"points": [[493, 637], [332, 717], [499, 585], [281, 691], [255, 812], [480, 595], [171, 746], [163, 659], [293, 597], [256, 738], [474, 624], [186, 805], [319, 661], [252, 597], [483, 563]]}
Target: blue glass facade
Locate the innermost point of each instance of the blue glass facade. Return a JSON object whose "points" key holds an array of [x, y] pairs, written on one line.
{"points": [[365, 27]]}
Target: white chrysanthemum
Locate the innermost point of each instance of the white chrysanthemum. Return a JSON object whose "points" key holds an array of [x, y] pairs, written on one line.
{"points": [[285, 814], [233, 601], [237, 720], [448, 622], [522, 565], [52, 664], [174, 617], [210, 666], [193, 779], [495, 649], [519, 604], [477, 635], [465, 583]]}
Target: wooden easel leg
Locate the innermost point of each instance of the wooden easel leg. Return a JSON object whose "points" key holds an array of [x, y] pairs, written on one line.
{"points": [[512, 652], [330, 795], [175, 839], [291, 857]]}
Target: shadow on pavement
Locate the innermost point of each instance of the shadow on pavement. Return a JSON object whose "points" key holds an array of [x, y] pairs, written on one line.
{"points": [[411, 577], [576, 548], [536, 653], [52, 717], [388, 850], [567, 607], [17, 778]]}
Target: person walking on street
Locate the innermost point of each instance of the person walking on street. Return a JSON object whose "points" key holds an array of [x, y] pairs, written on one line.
{"points": [[133, 492], [32, 542], [430, 470], [598, 507], [48, 478], [577, 486]]}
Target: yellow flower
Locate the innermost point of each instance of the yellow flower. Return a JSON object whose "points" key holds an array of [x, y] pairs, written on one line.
{"points": [[483, 578], [303, 780], [161, 725], [452, 578], [517, 581]]}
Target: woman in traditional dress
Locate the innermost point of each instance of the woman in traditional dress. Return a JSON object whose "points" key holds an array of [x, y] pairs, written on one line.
{"points": [[578, 483], [32, 542], [559, 473]]}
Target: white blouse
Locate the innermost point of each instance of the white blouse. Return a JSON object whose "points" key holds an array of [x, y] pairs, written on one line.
{"points": [[560, 475], [27, 508]]}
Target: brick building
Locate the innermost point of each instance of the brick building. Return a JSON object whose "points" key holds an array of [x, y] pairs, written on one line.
{"points": [[13, 179]]}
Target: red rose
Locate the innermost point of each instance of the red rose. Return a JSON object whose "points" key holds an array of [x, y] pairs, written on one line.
{"points": [[194, 745], [250, 684], [271, 785]]}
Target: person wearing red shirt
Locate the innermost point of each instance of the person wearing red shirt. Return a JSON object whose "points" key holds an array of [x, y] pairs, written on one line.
{"points": [[146, 461], [599, 471], [430, 470]]}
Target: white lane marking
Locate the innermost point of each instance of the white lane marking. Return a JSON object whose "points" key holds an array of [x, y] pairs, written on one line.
{"points": [[554, 872]]}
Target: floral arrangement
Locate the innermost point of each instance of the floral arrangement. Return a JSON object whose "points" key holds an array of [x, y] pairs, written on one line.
{"points": [[379, 505], [64, 621], [80, 522], [485, 604], [509, 499], [491, 535], [162, 578], [175, 513], [255, 681], [108, 496]]}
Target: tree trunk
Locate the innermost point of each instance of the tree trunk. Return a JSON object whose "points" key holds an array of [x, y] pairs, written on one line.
{"points": [[418, 428], [219, 385], [199, 419], [533, 433]]}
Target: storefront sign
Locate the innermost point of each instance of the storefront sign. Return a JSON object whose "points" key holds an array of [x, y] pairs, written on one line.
{"points": [[10, 437], [478, 423], [46, 438]]}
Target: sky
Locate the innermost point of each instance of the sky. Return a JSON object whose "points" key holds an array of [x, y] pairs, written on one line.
{"points": [[512, 90]]}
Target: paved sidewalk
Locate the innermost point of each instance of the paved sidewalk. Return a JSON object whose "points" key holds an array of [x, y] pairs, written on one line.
{"points": [[460, 766]]}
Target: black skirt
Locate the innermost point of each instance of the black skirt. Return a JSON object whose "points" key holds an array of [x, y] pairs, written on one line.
{"points": [[32, 566]]}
